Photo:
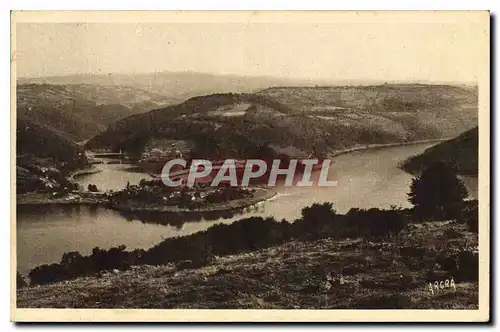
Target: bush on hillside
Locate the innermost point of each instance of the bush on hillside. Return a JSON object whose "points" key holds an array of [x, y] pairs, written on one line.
{"points": [[48, 273], [243, 235], [317, 221], [374, 222], [74, 265]]}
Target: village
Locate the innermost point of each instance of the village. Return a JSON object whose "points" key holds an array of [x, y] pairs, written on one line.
{"points": [[48, 186], [154, 192]]}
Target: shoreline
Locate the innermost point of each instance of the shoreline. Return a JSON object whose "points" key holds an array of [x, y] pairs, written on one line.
{"points": [[85, 171], [233, 205], [38, 199], [385, 145], [363, 148], [220, 207], [25, 200]]}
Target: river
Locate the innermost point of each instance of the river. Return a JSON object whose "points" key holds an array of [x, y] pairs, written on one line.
{"points": [[367, 178]]}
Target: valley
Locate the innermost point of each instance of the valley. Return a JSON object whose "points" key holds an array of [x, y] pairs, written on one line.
{"points": [[368, 131]]}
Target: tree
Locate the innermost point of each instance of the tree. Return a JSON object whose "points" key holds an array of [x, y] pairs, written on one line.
{"points": [[316, 217], [92, 188], [437, 193], [70, 258]]}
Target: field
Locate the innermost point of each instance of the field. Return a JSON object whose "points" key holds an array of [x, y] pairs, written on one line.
{"points": [[328, 273]]}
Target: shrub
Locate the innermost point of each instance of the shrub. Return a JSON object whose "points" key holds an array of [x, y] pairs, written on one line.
{"points": [[92, 188], [48, 273], [317, 221], [74, 265], [374, 222], [114, 258], [220, 239]]}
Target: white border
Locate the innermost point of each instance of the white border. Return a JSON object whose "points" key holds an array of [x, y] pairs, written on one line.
{"points": [[178, 5]]}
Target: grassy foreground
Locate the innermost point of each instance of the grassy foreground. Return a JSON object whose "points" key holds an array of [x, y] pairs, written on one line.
{"points": [[328, 273]]}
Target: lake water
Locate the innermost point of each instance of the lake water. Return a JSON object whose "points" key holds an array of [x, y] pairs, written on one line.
{"points": [[366, 179]]}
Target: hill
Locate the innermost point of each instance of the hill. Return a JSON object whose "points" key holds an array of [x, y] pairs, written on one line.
{"points": [[461, 152], [177, 85], [44, 142], [81, 111], [410, 111], [301, 119]]}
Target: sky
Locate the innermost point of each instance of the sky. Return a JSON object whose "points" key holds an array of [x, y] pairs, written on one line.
{"points": [[325, 50]]}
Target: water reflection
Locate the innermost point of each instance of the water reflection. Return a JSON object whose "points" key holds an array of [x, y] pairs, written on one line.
{"points": [[178, 219], [112, 176]]}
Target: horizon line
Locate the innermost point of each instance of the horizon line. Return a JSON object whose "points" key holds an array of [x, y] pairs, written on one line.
{"points": [[263, 76]]}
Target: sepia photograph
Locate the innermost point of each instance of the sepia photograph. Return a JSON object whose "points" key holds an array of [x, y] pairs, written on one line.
{"points": [[294, 166]]}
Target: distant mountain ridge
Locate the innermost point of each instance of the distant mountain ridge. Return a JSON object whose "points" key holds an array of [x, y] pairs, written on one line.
{"points": [[84, 105], [177, 85]]}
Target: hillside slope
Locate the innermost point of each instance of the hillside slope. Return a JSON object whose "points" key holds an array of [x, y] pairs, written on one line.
{"points": [[413, 111], [295, 275], [81, 111], [302, 119], [461, 152], [44, 142]]}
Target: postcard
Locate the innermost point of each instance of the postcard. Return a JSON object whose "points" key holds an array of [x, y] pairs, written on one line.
{"points": [[328, 166]]}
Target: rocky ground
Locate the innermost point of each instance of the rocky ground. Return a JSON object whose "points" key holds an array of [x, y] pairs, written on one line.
{"points": [[329, 273]]}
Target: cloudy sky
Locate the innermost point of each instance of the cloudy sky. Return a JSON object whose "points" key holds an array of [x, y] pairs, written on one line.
{"points": [[357, 48]]}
